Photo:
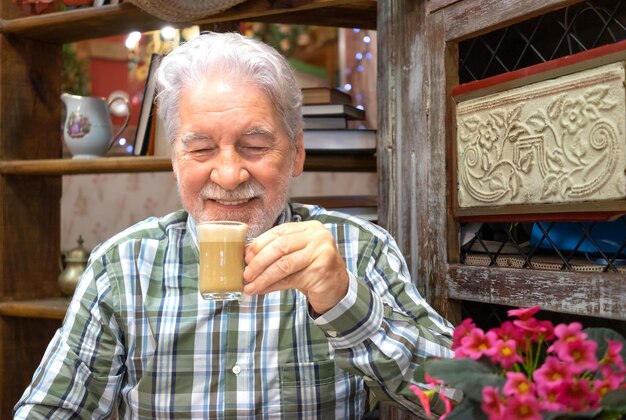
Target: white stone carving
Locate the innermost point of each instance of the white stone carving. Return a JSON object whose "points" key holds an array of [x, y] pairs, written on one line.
{"points": [[555, 141]]}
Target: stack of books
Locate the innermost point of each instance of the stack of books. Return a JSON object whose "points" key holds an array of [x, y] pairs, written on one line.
{"points": [[326, 112]]}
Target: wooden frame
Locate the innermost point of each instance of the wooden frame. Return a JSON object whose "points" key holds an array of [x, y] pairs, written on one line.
{"points": [[564, 66], [416, 79]]}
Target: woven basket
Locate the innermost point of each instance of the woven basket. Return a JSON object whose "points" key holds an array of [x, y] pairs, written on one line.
{"points": [[184, 10]]}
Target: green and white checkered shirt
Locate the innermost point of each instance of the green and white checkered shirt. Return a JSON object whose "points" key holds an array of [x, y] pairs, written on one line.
{"points": [[139, 340]]}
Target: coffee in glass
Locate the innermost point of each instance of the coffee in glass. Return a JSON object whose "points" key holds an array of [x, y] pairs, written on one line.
{"points": [[220, 272]]}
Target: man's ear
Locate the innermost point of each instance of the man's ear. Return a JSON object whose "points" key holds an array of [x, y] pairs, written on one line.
{"points": [[298, 164]]}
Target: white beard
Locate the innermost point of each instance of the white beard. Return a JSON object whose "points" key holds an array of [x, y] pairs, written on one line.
{"points": [[259, 218]]}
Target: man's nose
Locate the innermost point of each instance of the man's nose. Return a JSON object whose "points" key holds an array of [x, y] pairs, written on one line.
{"points": [[230, 170]]}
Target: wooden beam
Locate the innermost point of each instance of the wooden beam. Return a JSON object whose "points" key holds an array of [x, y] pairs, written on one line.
{"points": [[434, 5], [470, 18], [103, 21], [592, 294]]}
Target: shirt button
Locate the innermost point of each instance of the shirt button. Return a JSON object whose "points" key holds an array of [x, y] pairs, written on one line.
{"points": [[236, 369], [332, 333]]}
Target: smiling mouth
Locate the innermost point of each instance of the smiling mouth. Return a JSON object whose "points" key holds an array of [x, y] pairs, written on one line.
{"points": [[232, 202]]}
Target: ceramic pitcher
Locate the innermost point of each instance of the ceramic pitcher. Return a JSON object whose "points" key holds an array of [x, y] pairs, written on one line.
{"points": [[88, 130]]}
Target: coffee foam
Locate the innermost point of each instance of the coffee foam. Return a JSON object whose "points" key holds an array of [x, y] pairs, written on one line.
{"points": [[222, 231]]}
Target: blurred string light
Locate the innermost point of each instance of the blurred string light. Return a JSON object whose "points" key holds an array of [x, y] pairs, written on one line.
{"points": [[142, 46], [357, 67]]}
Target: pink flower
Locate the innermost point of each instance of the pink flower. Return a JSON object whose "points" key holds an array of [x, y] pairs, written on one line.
{"points": [[549, 394], [523, 313], [577, 396], [566, 333], [432, 381], [518, 384], [508, 331], [579, 355], [602, 386], [492, 403], [524, 407], [566, 377], [447, 403], [462, 331], [477, 343], [552, 371], [609, 372], [423, 397], [536, 330], [613, 355], [505, 353]]}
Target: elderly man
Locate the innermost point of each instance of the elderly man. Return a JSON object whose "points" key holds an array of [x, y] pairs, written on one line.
{"points": [[329, 309]]}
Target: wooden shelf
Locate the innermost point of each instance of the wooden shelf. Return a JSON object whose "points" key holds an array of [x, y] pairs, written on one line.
{"points": [[564, 212], [88, 166], [339, 201], [110, 20], [314, 163], [595, 294], [52, 308]]}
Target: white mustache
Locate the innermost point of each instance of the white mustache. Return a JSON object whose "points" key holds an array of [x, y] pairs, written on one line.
{"points": [[245, 191]]}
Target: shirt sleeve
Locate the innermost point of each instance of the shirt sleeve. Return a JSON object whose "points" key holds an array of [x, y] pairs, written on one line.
{"points": [[383, 330], [81, 371]]}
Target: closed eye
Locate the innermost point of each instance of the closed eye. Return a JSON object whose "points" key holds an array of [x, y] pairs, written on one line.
{"points": [[253, 151], [202, 151]]}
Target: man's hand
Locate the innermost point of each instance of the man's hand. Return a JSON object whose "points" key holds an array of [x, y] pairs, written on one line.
{"points": [[300, 256]]}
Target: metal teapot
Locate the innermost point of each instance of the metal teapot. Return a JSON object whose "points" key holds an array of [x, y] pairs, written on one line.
{"points": [[73, 264]]}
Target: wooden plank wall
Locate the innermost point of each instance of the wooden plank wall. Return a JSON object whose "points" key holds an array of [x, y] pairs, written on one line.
{"points": [[411, 127]]}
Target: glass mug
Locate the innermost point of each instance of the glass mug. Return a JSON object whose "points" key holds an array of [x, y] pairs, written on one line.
{"points": [[221, 260]]}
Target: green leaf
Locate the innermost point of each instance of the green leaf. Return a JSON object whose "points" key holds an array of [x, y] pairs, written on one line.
{"points": [[615, 400], [467, 410], [600, 336], [589, 414], [467, 375], [418, 374]]}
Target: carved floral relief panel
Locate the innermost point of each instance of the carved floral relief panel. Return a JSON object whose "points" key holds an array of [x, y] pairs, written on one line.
{"points": [[556, 141]]}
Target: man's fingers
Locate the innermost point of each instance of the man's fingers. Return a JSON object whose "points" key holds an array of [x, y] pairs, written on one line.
{"points": [[284, 230], [259, 258], [285, 267]]}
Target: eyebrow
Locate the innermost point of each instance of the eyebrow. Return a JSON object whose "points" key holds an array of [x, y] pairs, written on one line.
{"points": [[189, 137], [192, 136], [258, 130]]}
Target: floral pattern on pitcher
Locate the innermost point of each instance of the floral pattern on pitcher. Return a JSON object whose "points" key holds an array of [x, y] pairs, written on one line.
{"points": [[77, 125]]}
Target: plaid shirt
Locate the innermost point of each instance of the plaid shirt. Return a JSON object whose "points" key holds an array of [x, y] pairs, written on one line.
{"points": [[139, 340]]}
